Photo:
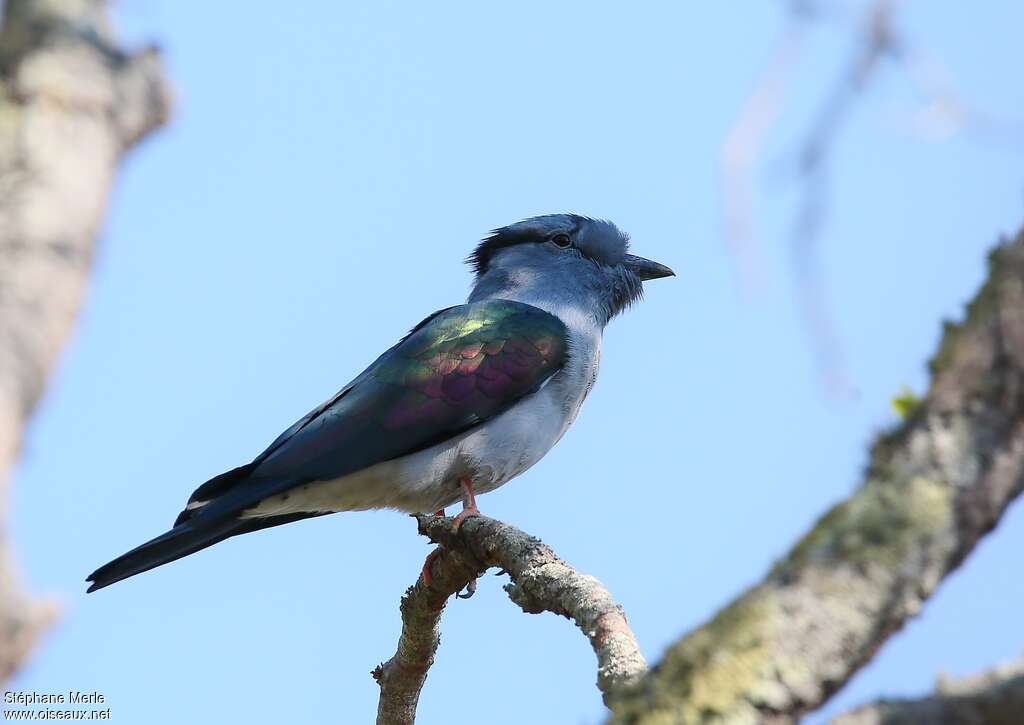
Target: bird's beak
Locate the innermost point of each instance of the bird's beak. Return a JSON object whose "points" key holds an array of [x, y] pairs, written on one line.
{"points": [[645, 269]]}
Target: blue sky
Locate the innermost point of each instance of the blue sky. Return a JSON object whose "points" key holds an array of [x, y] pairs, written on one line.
{"points": [[326, 172]]}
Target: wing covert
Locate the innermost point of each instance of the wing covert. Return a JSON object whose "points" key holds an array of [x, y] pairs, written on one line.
{"points": [[455, 370]]}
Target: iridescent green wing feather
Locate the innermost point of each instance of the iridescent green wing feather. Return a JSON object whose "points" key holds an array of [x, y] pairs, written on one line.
{"points": [[455, 370]]}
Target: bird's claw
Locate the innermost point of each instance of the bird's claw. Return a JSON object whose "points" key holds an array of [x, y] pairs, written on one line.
{"points": [[463, 515], [468, 509], [470, 590]]}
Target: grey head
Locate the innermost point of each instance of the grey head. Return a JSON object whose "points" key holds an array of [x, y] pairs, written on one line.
{"points": [[563, 259]]}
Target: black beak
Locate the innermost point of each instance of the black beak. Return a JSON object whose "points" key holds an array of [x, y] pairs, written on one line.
{"points": [[645, 269]]}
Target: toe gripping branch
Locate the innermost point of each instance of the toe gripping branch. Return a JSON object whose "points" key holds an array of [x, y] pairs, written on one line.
{"points": [[469, 509]]}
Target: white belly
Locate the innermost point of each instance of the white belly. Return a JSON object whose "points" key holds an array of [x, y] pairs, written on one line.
{"points": [[489, 455]]}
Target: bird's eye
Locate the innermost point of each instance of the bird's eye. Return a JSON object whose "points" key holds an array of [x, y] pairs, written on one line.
{"points": [[561, 240]]}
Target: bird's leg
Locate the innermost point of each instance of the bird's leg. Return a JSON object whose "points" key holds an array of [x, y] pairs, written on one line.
{"points": [[429, 562], [468, 503], [468, 509], [428, 578]]}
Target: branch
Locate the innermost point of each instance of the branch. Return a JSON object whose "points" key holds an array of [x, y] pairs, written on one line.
{"points": [[71, 103], [934, 486], [995, 696], [745, 143], [541, 582]]}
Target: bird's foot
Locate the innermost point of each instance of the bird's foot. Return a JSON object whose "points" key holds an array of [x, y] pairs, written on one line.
{"points": [[463, 515], [468, 509], [470, 590], [428, 578]]}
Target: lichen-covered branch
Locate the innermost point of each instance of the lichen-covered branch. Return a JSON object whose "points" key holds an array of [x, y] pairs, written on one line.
{"points": [[933, 487], [71, 103], [541, 582], [401, 678], [994, 697]]}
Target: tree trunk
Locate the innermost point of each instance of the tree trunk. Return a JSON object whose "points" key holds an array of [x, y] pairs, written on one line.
{"points": [[71, 104]]}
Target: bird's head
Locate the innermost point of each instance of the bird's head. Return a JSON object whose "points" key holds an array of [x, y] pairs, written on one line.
{"points": [[563, 259]]}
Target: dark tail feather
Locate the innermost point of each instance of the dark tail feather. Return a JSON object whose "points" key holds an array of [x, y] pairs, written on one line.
{"points": [[182, 540], [176, 543]]}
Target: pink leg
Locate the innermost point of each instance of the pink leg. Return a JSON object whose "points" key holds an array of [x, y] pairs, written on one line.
{"points": [[468, 503], [468, 509], [428, 579]]}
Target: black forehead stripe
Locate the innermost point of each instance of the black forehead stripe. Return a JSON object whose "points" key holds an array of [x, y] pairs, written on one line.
{"points": [[522, 232], [488, 247]]}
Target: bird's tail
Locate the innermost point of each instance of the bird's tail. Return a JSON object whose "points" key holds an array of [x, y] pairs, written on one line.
{"points": [[180, 541], [184, 539]]}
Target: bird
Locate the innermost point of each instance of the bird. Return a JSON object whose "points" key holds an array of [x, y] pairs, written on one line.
{"points": [[471, 397]]}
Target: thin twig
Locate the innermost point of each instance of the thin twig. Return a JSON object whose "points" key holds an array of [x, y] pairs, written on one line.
{"points": [[742, 146]]}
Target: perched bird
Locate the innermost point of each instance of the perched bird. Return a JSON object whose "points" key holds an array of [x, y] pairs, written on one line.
{"points": [[473, 396]]}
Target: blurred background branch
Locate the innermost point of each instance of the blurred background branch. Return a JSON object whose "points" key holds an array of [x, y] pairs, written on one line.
{"points": [[993, 697], [71, 103], [934, 486], [877, 38]]}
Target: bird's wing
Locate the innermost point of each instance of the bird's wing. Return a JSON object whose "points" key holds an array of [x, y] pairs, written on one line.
{"points": [[456, 369], [317, 411], [453, 371]]}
